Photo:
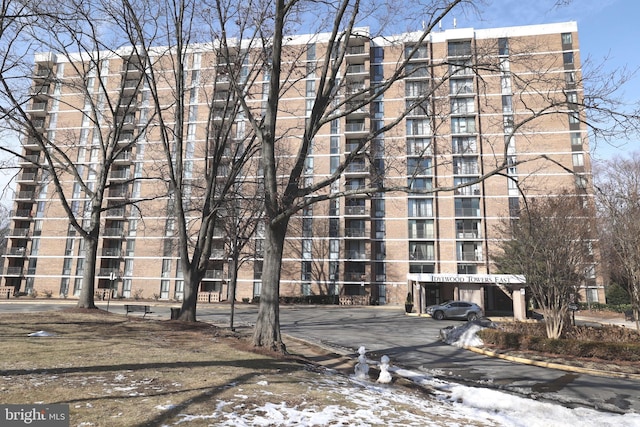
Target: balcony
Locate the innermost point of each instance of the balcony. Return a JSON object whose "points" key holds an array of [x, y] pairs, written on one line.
{"points": [[471, 190], [27, 177], [21, 213], [42, 73], [218, 254], [38, 123], [357, 73], [37, 109], [19, 232], [357, 169], [356, 232], [469, 256], [123, 158], [119, 174], [114, 213], [356, 127], [29, 159], [213, 275], [354, 276], [25, 195], [113, 232], [468, 234], [111, 252], [131, 85], [358, 255], [356, 211], [121, 193], [19, 251], [358, 54], [14, 271]]}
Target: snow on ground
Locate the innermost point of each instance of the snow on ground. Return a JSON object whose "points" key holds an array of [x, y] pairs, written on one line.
{"points": [[370, 404], [365, 403]]}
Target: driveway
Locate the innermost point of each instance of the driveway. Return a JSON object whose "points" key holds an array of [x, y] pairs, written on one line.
{"points": [[413, 343]]}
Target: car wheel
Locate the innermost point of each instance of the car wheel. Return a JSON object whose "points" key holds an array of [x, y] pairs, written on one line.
{"points": [[472, 316], [438, 315]]}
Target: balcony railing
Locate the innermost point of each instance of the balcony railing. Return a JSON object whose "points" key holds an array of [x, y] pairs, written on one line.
{"points": [[355, 210], [469, 256], [214, 274], [359, 255], [14, 271]]}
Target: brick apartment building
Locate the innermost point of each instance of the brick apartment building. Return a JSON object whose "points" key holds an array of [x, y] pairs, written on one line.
{"points": [[363, 248]]}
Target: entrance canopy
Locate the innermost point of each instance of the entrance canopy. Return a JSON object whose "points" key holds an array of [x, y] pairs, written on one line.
{"points": [[470, 286]]}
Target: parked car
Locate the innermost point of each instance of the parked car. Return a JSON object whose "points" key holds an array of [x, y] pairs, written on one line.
{"points": [[455, 310]]}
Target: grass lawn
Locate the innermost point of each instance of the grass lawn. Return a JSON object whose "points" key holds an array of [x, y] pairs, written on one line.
{"points": [[118, 371]]}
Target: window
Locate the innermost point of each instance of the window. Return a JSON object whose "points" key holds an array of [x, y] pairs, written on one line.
{"points": [[421, 229], [461, 86], [420, 208], [311, 88], [505, 83], [415, 88], [418, 127], [570, 77], [419, 166], [462, 105], [507, 104], [567, 39], [581, 182], [464, 145], [460, 68], [503, 46], [420, 184], [567, 57], [421, 251], [578, 159], [574, 117], [463, 125], [419, 147], [576, 138], [572, 97], [459, 48], [514, 206], [467, 206]]}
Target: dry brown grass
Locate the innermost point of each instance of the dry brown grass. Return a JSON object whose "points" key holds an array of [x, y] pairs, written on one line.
{"points": [[115, 371]]}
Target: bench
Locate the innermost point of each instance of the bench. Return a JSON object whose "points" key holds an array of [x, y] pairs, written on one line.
{"points": [[134, 308]]}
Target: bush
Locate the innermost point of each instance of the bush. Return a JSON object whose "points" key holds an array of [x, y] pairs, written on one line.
{"points": [[617, 295], [607, 342]]}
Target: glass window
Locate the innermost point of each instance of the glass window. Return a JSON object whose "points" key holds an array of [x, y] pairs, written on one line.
{"points": [[572, 97], [567, 38], [567, 57], [461, 86], [578, 159], [576, 138], [463, 125], [462, 105], [574, 117], [459, 48], [420, 208], [507, 103], [503, 46]]}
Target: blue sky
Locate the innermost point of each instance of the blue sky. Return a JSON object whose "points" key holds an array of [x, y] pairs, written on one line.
{"points": [[607, 29]]}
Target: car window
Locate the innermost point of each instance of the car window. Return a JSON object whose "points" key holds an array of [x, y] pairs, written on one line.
{"points": [[465, 304]]}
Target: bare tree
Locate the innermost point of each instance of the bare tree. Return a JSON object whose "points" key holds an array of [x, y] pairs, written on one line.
{"points": [[287, 64], [618, 197], [551, 245], [84, 166]]}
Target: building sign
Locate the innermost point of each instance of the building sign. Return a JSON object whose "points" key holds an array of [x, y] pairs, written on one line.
{"points": [[468, 278]]}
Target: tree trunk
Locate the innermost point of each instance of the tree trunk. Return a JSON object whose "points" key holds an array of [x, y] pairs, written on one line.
{"points": [[267, 329], [233, 281], [87, 297], [190, 300]]}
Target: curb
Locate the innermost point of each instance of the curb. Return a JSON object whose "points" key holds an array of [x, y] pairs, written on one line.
{"points": [[553, 365]]}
